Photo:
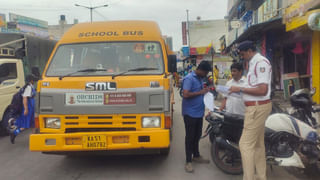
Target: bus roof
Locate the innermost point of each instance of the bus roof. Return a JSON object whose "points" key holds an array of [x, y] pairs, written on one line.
{"points": [[112, 31]]}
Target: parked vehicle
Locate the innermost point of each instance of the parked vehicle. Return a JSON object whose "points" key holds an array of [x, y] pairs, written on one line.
{"points": [[20, 55], [289, 141], [301, 101], [107, 87]]}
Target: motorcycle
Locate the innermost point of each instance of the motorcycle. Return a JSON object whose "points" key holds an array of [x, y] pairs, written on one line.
{"points": [[288, 141], [301, 101]]}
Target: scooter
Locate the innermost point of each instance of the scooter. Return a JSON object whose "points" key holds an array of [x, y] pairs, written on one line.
{"points": [[288, 141]]}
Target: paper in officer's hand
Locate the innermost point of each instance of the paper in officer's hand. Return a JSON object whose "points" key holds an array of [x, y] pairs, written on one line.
{"points": [[224, 90], [209, 101]]}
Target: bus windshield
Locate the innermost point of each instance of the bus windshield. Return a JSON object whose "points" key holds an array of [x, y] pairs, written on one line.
{"points": [[108, 58]]}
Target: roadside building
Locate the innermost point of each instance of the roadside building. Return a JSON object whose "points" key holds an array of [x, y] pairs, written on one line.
{"points": [[305, 40], [281, 33], [204, 42], [168, 40], [57, 31], [23, 24]]}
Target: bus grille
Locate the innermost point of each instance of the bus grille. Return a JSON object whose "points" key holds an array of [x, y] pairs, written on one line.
{"points": [[75, 130]]}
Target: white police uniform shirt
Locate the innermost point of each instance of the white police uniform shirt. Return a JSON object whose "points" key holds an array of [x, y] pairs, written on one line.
{"points": [[235, 105], [260, 72]]}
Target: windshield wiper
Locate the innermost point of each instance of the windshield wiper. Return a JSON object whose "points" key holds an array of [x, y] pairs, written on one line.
{"points": [[135, 69], [82, 70]]}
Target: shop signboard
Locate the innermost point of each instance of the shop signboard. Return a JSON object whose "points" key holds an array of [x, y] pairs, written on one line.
{"points": [[247, 19], [2, 20], [291, 83], [299, 8], [223, 43], [235, 24], [200, 50], [268, 10], [30, 25], [6, 30], [297, 22], [28, 21], [184, 33], [185, 51]]}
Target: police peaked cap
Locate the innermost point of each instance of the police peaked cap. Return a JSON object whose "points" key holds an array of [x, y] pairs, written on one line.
{"points": [[245, 45]]}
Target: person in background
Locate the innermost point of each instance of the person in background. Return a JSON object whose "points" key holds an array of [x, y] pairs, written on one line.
{"points": [[193, 111], [185, 72], [216, 74], [291, 87], [232, 104], [26, 118], [256, 96], [176, 79]]}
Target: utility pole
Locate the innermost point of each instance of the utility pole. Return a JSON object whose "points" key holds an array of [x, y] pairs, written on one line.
{"points": [[188, 35], [212, 54], [91, 8]]}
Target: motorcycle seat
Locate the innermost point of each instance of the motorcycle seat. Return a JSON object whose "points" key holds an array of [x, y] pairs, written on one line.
{"points": [[233, 117], [232, 126]]}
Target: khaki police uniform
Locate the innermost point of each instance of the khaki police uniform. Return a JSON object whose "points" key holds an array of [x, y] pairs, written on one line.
{"points": [[257, 110]]}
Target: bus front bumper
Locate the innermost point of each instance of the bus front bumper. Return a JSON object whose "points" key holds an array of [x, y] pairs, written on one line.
{"points": [[100, 141]]}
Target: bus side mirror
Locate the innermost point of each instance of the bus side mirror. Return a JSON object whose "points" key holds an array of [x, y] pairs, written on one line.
{"points": [[172, 63]]}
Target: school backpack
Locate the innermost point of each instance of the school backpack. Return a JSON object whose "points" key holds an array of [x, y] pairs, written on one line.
{"points": [[17, 100]]}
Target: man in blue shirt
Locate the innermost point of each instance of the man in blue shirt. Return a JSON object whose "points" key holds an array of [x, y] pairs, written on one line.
{"points": [[193, 111]]}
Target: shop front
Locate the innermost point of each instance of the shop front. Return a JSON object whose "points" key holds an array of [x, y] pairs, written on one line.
{"points": [[302, 48]]}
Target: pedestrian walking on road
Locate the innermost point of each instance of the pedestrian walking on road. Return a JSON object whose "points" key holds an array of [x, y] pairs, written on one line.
{"points": [[193, 112], [256, 95], [216, 74], [26, 118]]}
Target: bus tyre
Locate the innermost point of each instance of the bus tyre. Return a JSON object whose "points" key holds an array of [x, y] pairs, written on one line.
{"points": [[4, 124], [165, 151]]}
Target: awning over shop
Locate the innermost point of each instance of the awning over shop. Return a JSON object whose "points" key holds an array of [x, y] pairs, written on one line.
{"points": [[256, 31]]}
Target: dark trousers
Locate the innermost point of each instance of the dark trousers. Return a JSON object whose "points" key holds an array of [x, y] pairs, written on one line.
{"points": [[193, 128]]}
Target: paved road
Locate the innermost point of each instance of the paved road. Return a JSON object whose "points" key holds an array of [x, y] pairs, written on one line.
{"points": [[17, 163]]}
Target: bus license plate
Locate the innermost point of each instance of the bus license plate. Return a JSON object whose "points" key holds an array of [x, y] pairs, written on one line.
{"points": [[95, 142]]}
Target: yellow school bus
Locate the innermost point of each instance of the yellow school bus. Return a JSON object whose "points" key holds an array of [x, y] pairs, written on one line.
{"points": [[107, 86]]}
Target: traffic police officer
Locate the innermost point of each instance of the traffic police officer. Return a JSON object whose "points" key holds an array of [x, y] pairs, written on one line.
{"points": [[256, 95]]}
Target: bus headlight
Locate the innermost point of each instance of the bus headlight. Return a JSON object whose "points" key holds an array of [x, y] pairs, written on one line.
{"points": [[53, 123], [151, 122]]}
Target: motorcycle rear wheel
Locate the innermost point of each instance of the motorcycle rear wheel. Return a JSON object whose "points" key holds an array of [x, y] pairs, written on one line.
{"points": [[220, 158]]}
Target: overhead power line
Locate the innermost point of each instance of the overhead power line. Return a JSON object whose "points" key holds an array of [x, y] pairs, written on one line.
{"points": [[101, 15]]}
